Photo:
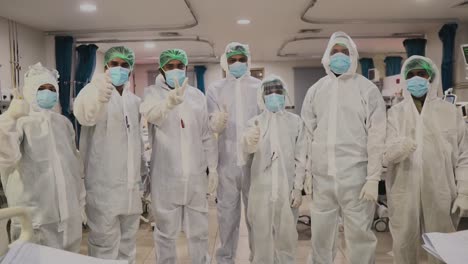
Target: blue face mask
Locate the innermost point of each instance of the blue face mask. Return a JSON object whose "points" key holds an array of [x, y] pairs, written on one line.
{"points": [[119, 75], [418, 86], [238, 69], [46, 99], [274, 102], [179, 75], [340, 63]]}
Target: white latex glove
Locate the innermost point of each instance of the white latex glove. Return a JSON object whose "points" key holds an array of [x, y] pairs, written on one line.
{"points": [[219, 121], [212, 181], [18, 106], [399, 150], [84, 217], [370, 191], [176, 96], [105, 89], [252, 136], [296, 198], [308, 183], [461, 203]]}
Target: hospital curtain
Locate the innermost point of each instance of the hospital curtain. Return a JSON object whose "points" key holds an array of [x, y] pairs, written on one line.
{"points": [[63, 63], [447, 36], [415, 47], [200, 74], [366, 65], [86, 63], [393, 65]]}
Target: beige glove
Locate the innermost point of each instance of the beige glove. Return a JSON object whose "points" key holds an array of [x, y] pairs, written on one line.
{"points": [[461, 202], [252, 137], [308, 183], [105, 89], [219, 121], [176, 96], [84, 217], [399, 150], [296, 198], [370, 191], [212, 181], [18, 106]]}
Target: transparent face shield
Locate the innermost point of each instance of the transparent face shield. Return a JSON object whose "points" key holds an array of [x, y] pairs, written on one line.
{"points": [[273, 87]]}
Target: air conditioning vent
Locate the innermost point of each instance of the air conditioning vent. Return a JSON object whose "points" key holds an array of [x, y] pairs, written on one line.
{"points": [[463, 4], [408, 35], [310, 30], [169, 34]]}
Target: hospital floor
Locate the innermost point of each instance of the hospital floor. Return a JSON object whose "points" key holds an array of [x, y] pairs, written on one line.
{"points": [[146, 253]]}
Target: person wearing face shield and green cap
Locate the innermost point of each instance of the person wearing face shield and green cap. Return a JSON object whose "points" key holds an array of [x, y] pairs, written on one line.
{"points": [[231, 103], [277, 142], [112, 150], [345, 118], [40, 164], [427, 152], [183, 148]]}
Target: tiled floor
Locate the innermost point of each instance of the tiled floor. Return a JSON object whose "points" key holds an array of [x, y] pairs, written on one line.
{"points": [[146, 254]]}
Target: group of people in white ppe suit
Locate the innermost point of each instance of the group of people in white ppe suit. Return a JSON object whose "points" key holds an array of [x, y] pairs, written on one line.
{"points": [[256, 150]]}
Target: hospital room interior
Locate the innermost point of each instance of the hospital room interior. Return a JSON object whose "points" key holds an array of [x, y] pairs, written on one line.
{"points": [[204, 131]]}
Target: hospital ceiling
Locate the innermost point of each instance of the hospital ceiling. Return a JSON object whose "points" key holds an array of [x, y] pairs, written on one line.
{"points": [[204, 27]]}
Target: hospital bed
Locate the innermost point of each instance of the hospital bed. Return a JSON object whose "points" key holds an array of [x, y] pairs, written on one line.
{"points": [[24, 252]]}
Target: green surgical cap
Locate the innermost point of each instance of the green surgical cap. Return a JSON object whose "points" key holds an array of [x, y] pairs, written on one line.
{"points": [[237, 49], [419, 64], [172, 54], [121, 52], [342, 45]]}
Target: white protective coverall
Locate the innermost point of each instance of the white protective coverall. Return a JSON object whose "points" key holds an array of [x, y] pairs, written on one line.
{"points": [[111, 147], [41, 168], [183, 147], [278, 166], [346, 121], [422, 188], [239, 96]]}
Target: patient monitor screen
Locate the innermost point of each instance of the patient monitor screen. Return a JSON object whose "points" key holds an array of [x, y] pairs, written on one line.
{"points": [[465, 53]]}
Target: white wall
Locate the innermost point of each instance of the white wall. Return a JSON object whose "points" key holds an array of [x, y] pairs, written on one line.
{"points": [[99, 63], [32, 49], [141, 77]]}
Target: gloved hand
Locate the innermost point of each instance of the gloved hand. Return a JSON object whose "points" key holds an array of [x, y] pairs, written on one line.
{"points": [[84, 217], [219, 121], [296, 198], [176, 96], [461, 203], [399, 150], [308, 183], [252, 137], [18, 106], [105, 89], [370, 191], [212, 181]]}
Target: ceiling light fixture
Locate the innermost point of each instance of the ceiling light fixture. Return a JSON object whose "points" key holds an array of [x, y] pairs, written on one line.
{"points": [[88, 7], [150, 45], [243, 21]]}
